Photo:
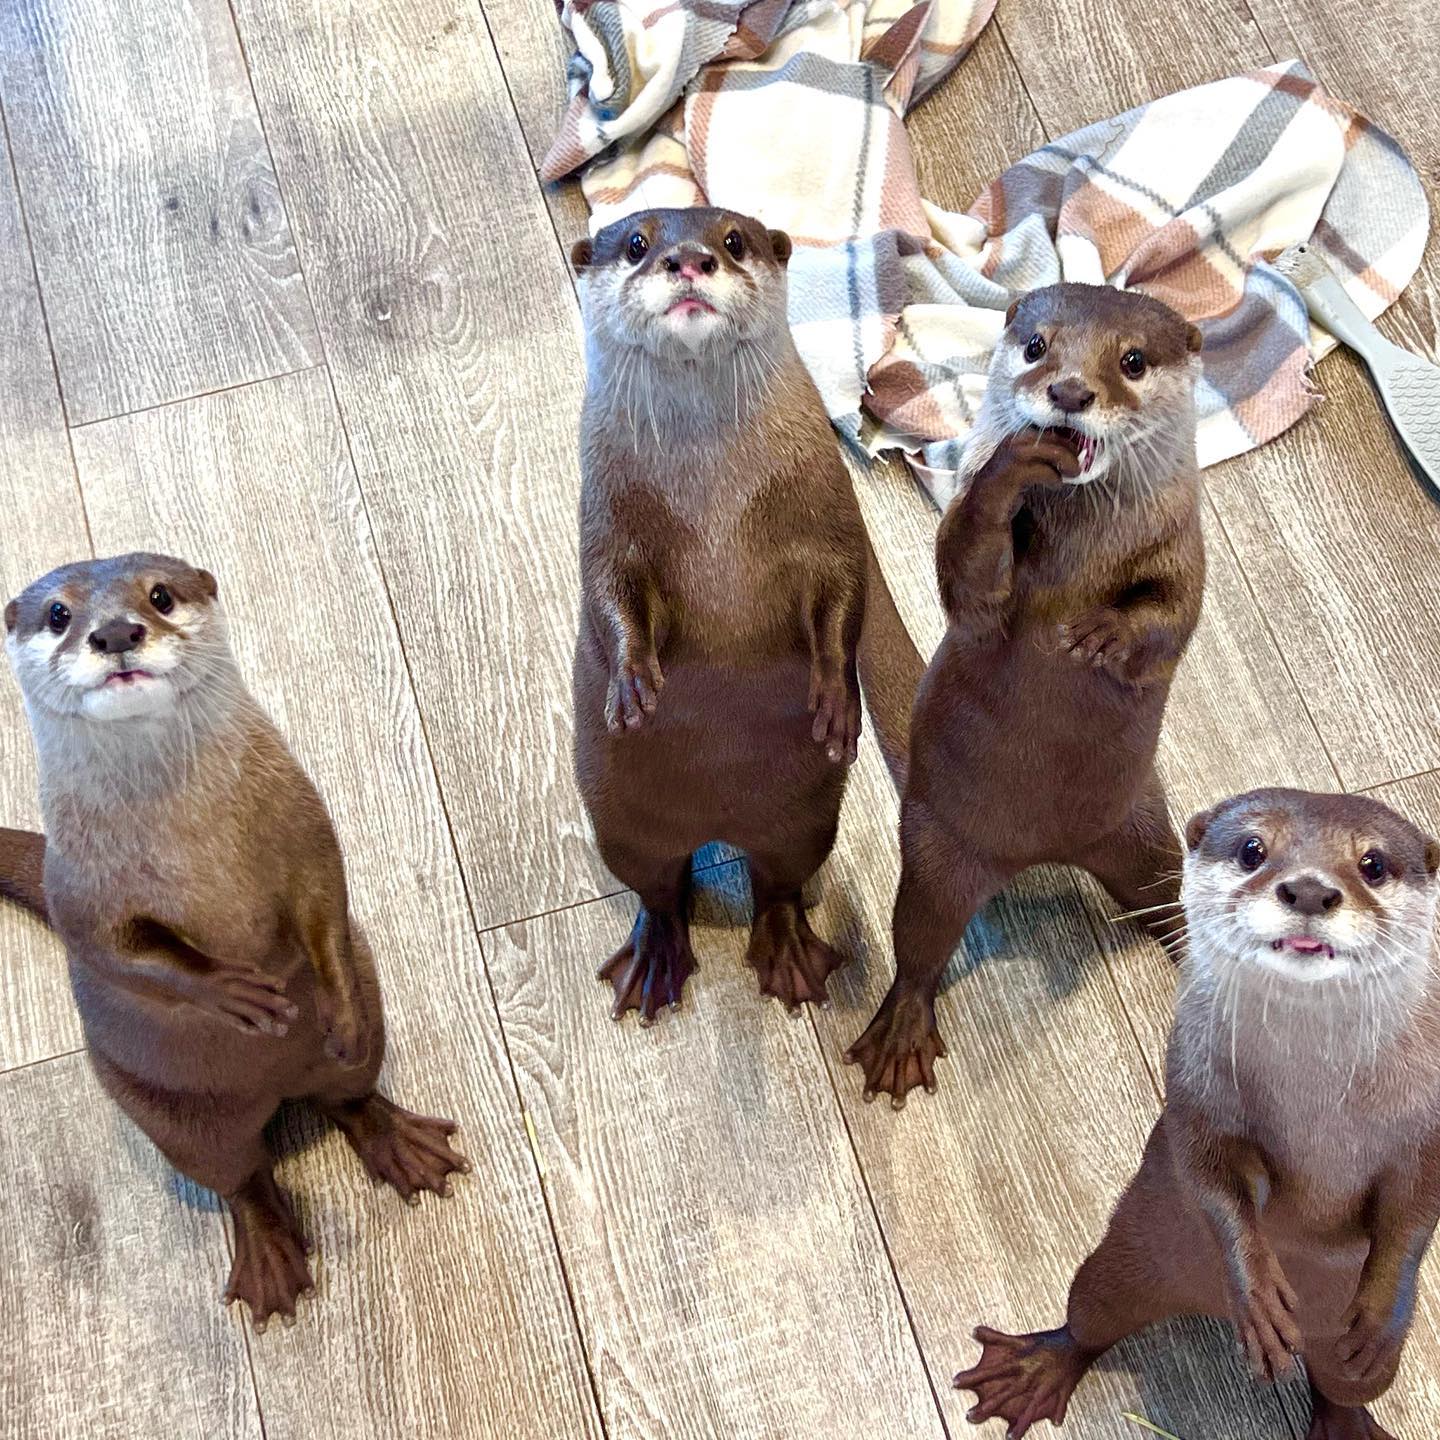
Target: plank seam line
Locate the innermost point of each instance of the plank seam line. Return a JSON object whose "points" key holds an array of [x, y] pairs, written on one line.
{"points": [[828, 1072], [199, 395]]}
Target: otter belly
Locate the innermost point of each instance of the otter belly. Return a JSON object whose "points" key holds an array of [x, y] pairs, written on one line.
{"points": [[1030, 753], [727, 752]]}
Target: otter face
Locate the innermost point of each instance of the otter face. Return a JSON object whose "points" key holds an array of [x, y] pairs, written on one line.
{"points": [[118, 639], [1310, 887], [1109, 367], [683, 283]]}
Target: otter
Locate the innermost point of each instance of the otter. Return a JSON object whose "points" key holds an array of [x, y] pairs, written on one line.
{"points": [[723, 567], [1071, 571], [1292, 1183], [192, 872]]}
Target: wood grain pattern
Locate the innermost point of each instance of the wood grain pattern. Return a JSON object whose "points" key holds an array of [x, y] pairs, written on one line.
{"points": [[44, 527], [992, 1191], [99, 1340], [1336, 532], [256, 483], [453, 334], [974, 125], [160, 238], [1339, 543], [534, 51], [727, 1270], [1088, 59]]}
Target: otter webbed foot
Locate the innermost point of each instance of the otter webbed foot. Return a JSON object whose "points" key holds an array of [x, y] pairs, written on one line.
{"points": [[899, 1048], [1023, 1378], [409, 1152], [650, 969], [270, 1271], [792, 962]]}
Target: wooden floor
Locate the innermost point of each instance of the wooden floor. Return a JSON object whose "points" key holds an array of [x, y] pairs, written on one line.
{"points": [[279, 292]]}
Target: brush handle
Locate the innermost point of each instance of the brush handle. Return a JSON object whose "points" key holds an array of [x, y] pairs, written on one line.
{"points": [[1342, 317]]}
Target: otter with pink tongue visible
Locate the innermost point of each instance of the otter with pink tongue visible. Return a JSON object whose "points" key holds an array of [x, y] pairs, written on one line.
{"points": [[1292, 1184]]}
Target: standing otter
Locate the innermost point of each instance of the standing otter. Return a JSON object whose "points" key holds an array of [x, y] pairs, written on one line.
{"points": [[1071, 571], [192, 872], [1292, 1183], [723, 562]]}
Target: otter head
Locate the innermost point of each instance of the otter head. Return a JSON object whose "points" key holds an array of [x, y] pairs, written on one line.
{"points": [[1310, 887], [118, 639], [683, 284], [1113, 369]]}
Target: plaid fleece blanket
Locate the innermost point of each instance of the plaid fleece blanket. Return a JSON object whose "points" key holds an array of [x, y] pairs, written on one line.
{"points": [[793, 111]]}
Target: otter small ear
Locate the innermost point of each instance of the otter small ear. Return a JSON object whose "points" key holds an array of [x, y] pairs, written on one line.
{"points": [[12, 616], [1432, 856], [208, 583], [1194, 340], [780, 244], [1195, 828], [582, 252], [1010, 309]]}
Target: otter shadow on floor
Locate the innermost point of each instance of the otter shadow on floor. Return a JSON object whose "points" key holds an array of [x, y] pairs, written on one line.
{"points": [[1182, 1366], [1023, 922]]}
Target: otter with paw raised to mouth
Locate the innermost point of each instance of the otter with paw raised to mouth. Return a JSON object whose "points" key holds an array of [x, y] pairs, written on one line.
{"points": [[193, 874], [1071, 572], [1292, 1184], [723, 572]]}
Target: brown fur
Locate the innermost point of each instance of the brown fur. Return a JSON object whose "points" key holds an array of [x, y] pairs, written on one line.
{"points": [[193, 874], [1034, 729], [723, 590], [1292, 1184]]}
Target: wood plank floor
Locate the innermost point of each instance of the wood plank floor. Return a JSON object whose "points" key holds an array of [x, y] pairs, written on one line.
{"points": [[279, 291]]}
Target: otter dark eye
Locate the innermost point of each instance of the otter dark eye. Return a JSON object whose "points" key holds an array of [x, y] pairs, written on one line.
{"points": [[1252, 853], [735, 244], [637, 247], [59, 618], [1374, 867], [162, 599], [1132, 362], [1034, 348]]}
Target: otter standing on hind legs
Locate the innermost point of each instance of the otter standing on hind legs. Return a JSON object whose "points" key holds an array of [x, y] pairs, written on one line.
{"points": [[1292, 1183], [1070, 571], [193, 874], [723, 564]]}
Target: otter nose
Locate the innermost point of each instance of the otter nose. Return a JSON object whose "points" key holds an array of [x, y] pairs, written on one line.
{"points": [[1071, 396], [690, 262], [1308, 894], [117, 637]]}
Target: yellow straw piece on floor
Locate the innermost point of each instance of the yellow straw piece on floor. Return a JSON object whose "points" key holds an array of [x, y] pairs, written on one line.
{"points": [[535, 1148], [1146, 1425]]}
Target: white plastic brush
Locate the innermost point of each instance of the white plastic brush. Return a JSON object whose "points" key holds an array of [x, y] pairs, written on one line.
{"points": [[1409, 386]]}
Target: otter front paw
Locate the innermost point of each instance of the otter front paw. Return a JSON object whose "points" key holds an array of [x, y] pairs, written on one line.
{"points": [[835, 704], [340, 1023], [635, 686], [1103, 638], [1265, 1318], [248, 998], [1369, 1349]]}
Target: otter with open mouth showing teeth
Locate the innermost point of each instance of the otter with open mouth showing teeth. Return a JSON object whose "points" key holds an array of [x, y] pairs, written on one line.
{"points": [[1292, 1184], [723, 581], [192, 872], [1071, 572]]}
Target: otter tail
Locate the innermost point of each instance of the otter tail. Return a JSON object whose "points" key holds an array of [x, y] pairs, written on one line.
{"points": [[890, 670], [22, 870]]}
